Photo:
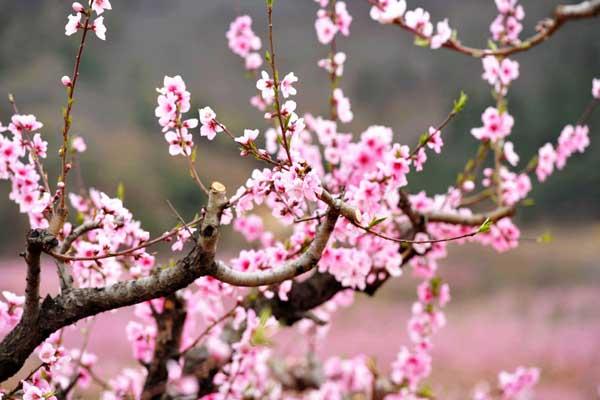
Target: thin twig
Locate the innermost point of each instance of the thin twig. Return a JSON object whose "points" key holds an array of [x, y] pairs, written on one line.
{"points": [[126, 252]]}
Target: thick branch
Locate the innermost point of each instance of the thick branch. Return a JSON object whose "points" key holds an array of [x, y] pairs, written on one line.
{"points": [[307, 261], [351, 213], [473, 219], [169, 324], [76, 304], [37, 241]]}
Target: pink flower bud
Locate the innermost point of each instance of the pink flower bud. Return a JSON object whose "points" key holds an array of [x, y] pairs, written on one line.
{"points": [[66, 81], [78, 8], [468, 186]]}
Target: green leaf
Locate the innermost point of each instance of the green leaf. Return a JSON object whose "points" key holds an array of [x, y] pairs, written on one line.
{"points": [[286, 123], [270, 3], [460, 104], [423, 139], [425, 392], [436, 283], [268, 56], [532, 164], [121, 191], [421, 42], [260, 336], [376, 221], [545, 238], [492, 45], [485, 227], [528, 202]]}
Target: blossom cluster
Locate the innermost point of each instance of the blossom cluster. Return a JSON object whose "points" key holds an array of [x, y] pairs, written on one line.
{"points": [[507, 26], [244, 42], [97, 26], [572, 139], [413, 365], [515, 385], [332, 21], [174, 101], [417, 20], [21, 150], [308, 158]]}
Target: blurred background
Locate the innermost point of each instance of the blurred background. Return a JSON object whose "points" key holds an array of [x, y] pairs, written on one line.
{"points": [[538, 300]]}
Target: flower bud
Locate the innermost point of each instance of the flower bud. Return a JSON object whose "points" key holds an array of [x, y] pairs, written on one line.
{"points": [[78, 8], [66, 81]]}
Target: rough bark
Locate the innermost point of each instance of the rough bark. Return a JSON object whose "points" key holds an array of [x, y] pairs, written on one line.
{"points": [[169, 324]]}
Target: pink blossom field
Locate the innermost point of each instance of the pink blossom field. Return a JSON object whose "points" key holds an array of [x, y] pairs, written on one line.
{"points": [[534, 306]]}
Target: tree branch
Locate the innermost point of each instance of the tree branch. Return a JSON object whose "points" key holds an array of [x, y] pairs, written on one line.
{"points": [[169, 326], [37, 241], [546, 28], [75, 304], [307, 261], [471, 220]]}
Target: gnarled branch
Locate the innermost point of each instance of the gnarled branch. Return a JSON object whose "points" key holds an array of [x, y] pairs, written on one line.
{"points": [[307, 261]]}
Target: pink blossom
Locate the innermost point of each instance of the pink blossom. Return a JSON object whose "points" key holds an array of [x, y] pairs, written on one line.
{"points": [[253, 61], [286, 85], [506, 6], [343, 19], [546, 160], [509, 71], [78, 144], [418, 20], [442, 35], [21, 123], [326, 29], [266, 85], [183, 235], [250, 226], [342, 103], [411, 366], [510, 155], [571, 140], [596, 88], [518, 383], [241, 38], [99, 28], [496, 125], [210, 126], [386, 11], [435, 141], [250, 136], [420, 159], [100, 5], [421, 248], [337, 66], [500, 74], [73, 24], [179, 143], [507, 26]]}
